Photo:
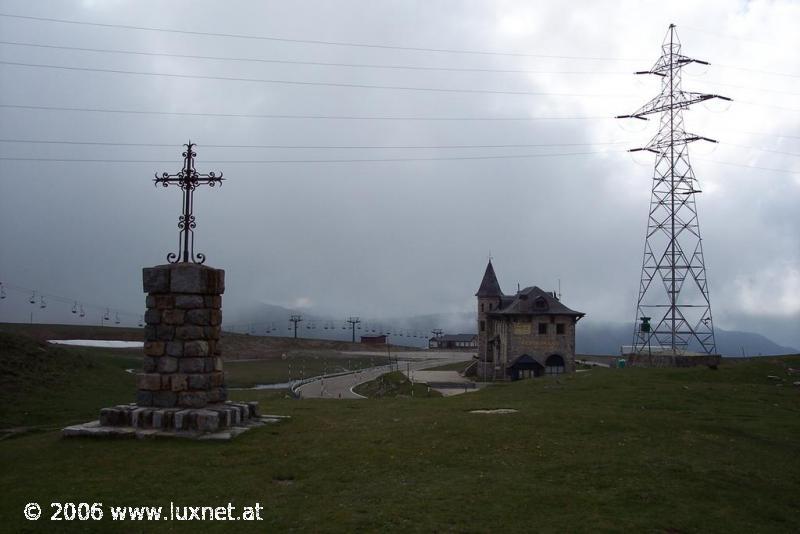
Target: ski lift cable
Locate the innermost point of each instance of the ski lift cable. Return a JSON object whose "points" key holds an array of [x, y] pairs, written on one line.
{"points": [[50, 297]]}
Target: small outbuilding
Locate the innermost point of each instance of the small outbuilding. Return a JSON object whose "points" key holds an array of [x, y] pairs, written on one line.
{"points": [[374, 340], [454, 341]]}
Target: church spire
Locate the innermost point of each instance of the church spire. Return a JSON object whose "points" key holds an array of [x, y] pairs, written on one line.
{"points": [[489, 285]]}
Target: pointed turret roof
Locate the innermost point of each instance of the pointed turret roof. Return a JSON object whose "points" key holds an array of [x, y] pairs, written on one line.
{"points": [[489, 285]]}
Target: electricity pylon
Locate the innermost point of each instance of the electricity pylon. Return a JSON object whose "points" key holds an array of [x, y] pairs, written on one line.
{"points": [[679, 305]]}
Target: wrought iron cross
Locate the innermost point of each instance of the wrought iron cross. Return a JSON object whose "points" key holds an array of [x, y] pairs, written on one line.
{"points": [[187, 179]]}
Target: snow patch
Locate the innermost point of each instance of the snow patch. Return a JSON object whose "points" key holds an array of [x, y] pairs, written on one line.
{"points": [[98, 343]]}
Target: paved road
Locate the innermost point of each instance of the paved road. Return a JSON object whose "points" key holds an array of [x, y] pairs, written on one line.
{"points": [[448, 383], [339, 387]]}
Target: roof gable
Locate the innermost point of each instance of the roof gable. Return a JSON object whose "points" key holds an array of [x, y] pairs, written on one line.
{"points": [[535, 301]]}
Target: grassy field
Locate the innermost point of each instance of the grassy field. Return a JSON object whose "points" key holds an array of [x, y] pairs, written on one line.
{"points": [[644, 450], [46, 386], [394, 384]]}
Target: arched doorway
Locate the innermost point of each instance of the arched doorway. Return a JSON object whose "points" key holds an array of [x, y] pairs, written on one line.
{"points": [[524, 367], [554, 365]]}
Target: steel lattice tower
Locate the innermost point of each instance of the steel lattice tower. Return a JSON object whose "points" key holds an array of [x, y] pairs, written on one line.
{"points": [[673, 290]]}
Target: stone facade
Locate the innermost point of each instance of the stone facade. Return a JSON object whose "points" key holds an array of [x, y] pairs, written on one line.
{"points": [[524, 335], [182, 363], [534, 343], [223, 420], [181, 388]]}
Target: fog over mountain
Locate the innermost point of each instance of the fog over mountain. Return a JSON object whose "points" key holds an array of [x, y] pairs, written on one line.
{"points": [[592, 337], [376, 153]]}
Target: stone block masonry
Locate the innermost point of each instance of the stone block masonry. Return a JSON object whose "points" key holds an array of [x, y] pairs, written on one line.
{"points": [[183, 365], [180, 391]]}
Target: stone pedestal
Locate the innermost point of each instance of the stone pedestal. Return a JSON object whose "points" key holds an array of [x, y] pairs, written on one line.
{"points": [[181, 388], [182, 363]]}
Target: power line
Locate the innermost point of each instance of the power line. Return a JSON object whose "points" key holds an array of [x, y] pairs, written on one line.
{"points": [[762, 105], [307, 83], [338, 117], [759, 89], [759, 71], [786, 171], [356, 147], [367, 45], [728, 36], [376, 160], [762, 149], [311, 41], [350, 160], [764, 134], [302, 117], [736, 67], [336, 147], [353, 65], [310, 63]]}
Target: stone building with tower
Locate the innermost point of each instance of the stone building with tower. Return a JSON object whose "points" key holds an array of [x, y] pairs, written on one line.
{"points": [[525, 335]]}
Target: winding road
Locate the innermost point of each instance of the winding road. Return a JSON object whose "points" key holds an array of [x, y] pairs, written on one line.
{"points": [[340, 386]]}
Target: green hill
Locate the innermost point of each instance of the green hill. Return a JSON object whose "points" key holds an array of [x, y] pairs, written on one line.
{"points": [[642, 450], [234, 346]]}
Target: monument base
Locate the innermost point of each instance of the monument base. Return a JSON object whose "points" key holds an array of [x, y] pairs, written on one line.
{"points": [[221, 422]]}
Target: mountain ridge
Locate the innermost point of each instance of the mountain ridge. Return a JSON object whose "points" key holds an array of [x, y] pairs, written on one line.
{"points": [[592, 337]]}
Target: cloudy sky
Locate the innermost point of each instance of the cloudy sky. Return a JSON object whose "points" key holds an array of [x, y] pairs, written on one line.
{"points": [[453, 130]]}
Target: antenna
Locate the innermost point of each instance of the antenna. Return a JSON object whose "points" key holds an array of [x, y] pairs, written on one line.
{"points": [[673, 249]]}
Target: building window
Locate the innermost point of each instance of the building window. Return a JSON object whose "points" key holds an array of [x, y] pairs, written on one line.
{"points": [[542, 328], [560, 329], [483, 326], [481, 306], [490, 306]]}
